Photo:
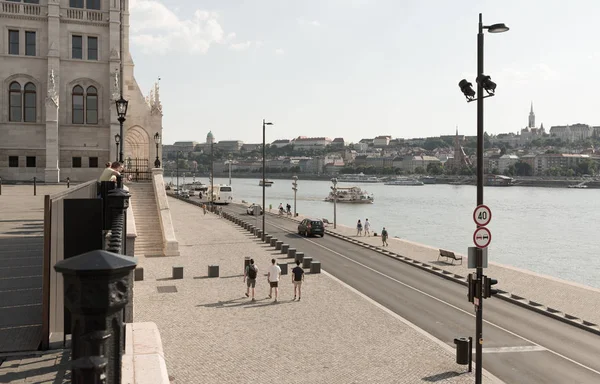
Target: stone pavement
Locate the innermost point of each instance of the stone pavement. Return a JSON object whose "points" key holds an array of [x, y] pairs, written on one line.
{"points": [[211, 333], [40, 368], [572, 298], [21, 260]]}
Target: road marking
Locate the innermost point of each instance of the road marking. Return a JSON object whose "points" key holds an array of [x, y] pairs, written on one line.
{"points": [[524, 348], [440, 300]]}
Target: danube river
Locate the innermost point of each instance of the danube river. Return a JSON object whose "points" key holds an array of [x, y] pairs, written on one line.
{"points": [[545, 230]]}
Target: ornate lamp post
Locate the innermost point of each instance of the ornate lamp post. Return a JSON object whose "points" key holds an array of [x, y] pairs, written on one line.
{"points": [[157, 141], [117, 141], [121, 112], [334, 189], [263, 179], [295, 188], [229, 168]]}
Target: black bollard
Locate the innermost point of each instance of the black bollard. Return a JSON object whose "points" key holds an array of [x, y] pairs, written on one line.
{"points": [[96, 289], [34, 186], [68, 182], [0, 186]]}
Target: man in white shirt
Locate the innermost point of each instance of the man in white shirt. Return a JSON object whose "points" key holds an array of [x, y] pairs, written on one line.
{"points": [[273, 275]]}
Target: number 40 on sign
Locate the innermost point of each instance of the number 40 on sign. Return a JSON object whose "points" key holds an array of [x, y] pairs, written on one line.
{"points": [[482, 215]]}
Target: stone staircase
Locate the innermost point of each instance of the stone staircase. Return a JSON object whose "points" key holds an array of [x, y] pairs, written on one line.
{"points": [[149, 241]]}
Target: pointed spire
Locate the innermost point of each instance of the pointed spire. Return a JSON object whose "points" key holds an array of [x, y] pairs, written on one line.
{"points": [[531, 111], [457, 130]]}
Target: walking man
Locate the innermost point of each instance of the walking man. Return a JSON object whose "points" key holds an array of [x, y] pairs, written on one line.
{"points": [[273, 276], [384, 237], [297, 279], [250, 274], [367, 228]]}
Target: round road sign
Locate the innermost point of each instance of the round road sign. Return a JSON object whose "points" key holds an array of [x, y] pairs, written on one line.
{"points": [[482, 237], [482, 215]]}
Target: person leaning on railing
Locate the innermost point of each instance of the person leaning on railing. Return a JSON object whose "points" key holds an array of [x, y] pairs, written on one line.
{"points": [[110, 174]]}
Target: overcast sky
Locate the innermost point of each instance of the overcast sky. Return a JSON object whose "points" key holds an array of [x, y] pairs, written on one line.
{"points": [[361, 68]]}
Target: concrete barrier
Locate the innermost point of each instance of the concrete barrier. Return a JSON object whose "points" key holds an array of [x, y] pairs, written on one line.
{"points": [[259, 234], [284, 268], [306, 262], [177, 273], [144, 359], [213, 271], [300, 257], [278, 245], [138, 274], [315, 267], [273, 241], [291, 253], [268, 239], [284, 248]]}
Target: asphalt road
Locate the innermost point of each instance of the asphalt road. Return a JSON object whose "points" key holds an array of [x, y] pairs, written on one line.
{"points": [[520, 346]]}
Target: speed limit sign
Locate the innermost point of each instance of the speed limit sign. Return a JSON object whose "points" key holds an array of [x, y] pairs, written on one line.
{"points": [[482, 215]]}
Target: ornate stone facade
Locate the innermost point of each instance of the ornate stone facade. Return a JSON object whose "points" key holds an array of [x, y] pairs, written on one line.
{"points": [[59, 118]]}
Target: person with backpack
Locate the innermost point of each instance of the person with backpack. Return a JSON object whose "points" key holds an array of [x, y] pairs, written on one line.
{"points": [[384, 237], [250, 274], [297, 279]]}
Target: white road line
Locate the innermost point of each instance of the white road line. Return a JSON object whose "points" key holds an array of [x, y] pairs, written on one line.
{"points": [[525, 348], [440, 300]]}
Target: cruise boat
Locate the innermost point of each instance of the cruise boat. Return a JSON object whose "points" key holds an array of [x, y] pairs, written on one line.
{"points": [[404, 181], [428, 180], [268, 183], [352, 195], [358, 178], [499, 181], [579, 186]]}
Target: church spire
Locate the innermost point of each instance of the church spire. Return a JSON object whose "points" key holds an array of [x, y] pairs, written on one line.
{"points": [[531, 117]]}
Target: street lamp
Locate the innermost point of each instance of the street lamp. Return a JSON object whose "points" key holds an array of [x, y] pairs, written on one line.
{"points": [[263, 178], [295, 188], [334, 189], [483, 83], [117, 141], [121, 112], [157, 141], [212, 173], [230, 169], [178, 152]]}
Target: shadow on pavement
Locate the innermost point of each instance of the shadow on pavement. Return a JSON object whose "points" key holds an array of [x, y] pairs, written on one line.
{"points": [[442, 376]]}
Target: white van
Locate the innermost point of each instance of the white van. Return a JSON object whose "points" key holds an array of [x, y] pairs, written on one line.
{"points": [[223, 194]]}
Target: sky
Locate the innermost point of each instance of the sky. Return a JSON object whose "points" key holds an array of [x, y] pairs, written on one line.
{"points": [[361, 68]]}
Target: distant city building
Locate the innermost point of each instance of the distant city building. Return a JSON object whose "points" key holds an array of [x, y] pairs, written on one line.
{"points": [[382, 141], [183, 146], [210, 139], [460, 158], [303, 142], [571, 133], [505, 161], [281, 143], [250, 147], [338, 142], [230, 146], [410, 163], [544, 162]]}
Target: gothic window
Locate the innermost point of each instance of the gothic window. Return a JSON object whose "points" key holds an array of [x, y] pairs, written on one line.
{"points": [[30, 103], [15, 102], [91, 106], [77, 105]]}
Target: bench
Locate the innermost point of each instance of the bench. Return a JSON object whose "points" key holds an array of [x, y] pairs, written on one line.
{"points": [[449, 255]]}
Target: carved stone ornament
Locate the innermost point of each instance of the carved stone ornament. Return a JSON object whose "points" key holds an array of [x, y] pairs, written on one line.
{"points": [[116, 90], [52, 92]]}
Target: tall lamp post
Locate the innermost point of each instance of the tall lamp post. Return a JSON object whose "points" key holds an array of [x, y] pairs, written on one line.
{"points": [[230, 169], [334, 189], [157, 142], [178, 152], [212, 172], [117, 141], [483, 83], [295, 188], [264, 164], [121, 112]]}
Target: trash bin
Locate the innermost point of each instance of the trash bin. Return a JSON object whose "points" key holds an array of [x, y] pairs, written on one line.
{"points": [[462, 350]]}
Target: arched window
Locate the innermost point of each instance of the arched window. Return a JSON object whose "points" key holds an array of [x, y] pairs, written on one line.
{"points": [[91, 106], [30, 101], [15, 102], [77, 105]]}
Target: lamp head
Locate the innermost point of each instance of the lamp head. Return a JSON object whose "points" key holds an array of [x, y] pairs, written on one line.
{"points": [[467, 89], [157, 138], [497, 28], [487, 84], [122, 107], [117, 138]]}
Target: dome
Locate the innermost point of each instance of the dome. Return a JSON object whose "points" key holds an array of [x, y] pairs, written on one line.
{"points": [[210, 135]]}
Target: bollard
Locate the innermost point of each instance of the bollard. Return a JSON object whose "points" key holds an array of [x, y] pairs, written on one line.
{"points": [[278, 245], [259, 234], [273, 241], [213, 271], [68, 182], [284, 268], [306, 262], [177, 273], [96, 289], [34, 186], [284, 248], [315, 267], [300, 257], [268, 239], [0, 186], [292, 253]]}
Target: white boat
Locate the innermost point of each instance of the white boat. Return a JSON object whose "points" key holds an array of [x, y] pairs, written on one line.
{"points": [[578, 186], [404, 181], [352, 195], [358, 178], [268, 183]]}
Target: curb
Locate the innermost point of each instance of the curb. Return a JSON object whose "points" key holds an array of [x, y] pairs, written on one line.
{"points": [[502, 295]]}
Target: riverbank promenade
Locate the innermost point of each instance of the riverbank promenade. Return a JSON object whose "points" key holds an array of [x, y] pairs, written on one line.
{"points": [[212, 333], [570, 298]]}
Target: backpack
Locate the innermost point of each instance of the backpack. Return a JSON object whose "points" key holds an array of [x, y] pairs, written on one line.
{"points": [[251, 272]]}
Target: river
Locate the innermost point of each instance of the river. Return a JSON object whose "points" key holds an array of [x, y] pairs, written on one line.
{"points": [[550, 231]]}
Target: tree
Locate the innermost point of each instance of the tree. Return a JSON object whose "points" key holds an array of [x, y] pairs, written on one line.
{"points": [[419, 170], [434, 169], [586, 167], [523, 169]]}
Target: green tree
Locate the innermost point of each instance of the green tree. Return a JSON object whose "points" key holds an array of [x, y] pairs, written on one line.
{"points": [[419, 170], [434, 169], [523, 169]]}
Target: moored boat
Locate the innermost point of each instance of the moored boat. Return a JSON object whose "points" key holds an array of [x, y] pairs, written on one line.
{"points": [[352, 195], [268, 183], [404, 181]]}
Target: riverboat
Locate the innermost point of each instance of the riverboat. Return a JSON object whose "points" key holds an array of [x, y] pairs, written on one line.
{"points": [[358, 178], [268, 183], [428, 180], [352, 195], [499, 181], [578, 186], [404, 181]]}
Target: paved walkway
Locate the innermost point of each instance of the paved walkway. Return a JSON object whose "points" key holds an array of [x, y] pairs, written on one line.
{"points": [[211, 333], [21, 260], [574, 299], [40, 368]]}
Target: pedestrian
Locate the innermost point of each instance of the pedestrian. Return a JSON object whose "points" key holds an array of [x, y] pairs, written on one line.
{"points": [[367, 228], [204, 208], [220, 212], [297, 279], [250, 274], [273, 276], [384, 237], [359, 228]]}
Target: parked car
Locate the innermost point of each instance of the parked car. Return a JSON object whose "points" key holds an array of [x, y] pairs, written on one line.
{"points": [[250, 209], [310, 227]]}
